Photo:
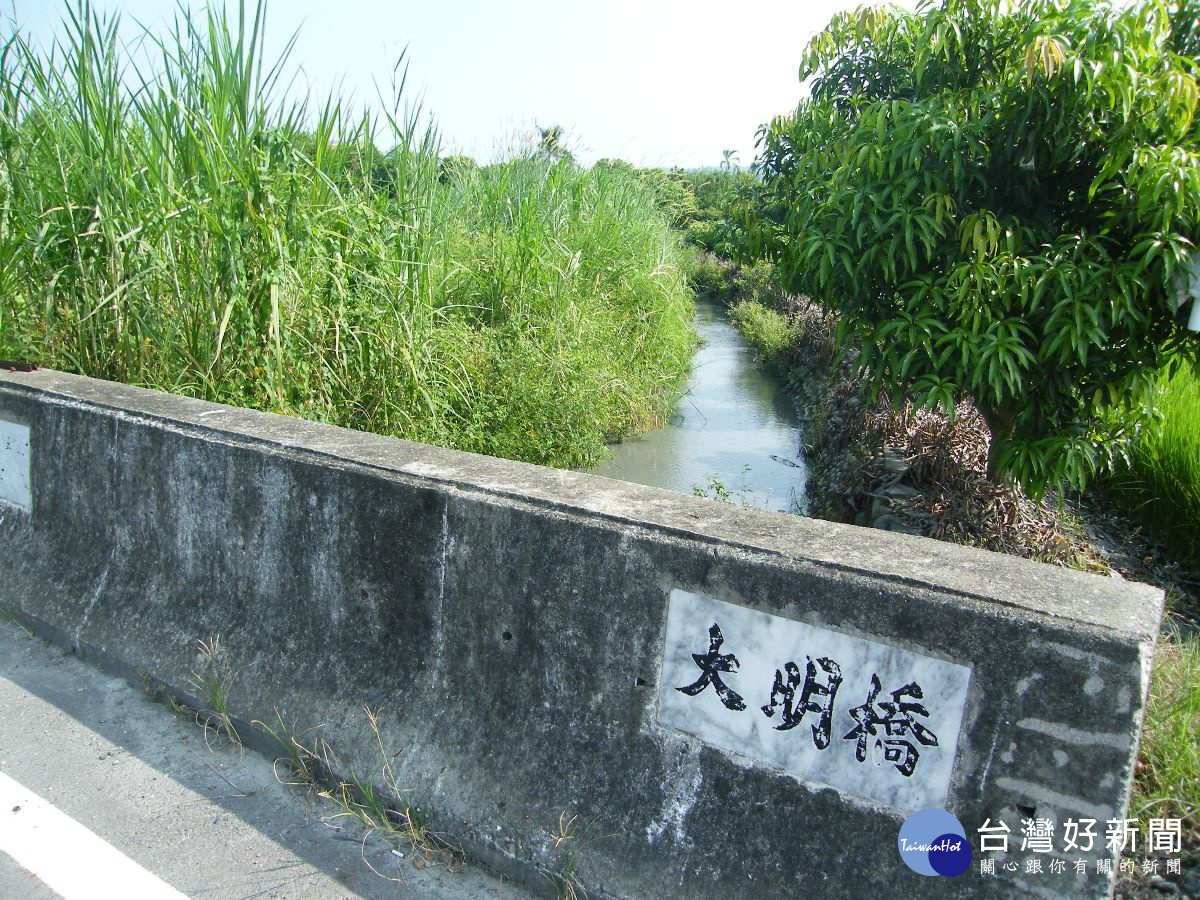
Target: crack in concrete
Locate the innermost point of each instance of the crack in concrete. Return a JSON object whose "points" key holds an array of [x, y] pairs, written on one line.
{"points": [[92, 602], [439, 623], [995, 745]]}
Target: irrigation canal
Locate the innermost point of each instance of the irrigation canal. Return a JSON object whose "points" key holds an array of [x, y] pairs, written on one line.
{"points": [[734, 423]]}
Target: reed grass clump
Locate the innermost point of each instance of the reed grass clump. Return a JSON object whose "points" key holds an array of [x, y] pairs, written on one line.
{"points": [[1166, 785], [1161, 483], [181, 225]]}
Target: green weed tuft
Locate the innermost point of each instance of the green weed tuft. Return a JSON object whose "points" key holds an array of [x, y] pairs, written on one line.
{"points": [[212, 685], [305, 763], [569, 838], [716, 489], [386, 809]]}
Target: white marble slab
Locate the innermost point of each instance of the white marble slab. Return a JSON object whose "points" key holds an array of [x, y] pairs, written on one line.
{"points": [[906, 740], [14, 464]]}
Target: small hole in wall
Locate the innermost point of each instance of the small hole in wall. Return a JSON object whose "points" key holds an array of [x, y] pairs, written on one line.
{"points": [[1028, 812], [641, 682], [365, 595], [507, 635]]}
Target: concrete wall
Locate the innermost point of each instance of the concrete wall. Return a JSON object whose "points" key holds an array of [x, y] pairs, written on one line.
{"points": [[510, 623]]}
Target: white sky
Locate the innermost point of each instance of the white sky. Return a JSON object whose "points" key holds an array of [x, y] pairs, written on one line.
{"points": [[656, 82]]}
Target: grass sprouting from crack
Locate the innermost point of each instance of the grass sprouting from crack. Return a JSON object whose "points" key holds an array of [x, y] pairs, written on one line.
{"points": [[567, 840], [376, 807], [212, 685], [571, 839], [304, 762], [9, 615]]}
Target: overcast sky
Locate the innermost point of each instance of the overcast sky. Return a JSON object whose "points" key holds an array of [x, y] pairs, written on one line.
{"points": [[656, 82]]}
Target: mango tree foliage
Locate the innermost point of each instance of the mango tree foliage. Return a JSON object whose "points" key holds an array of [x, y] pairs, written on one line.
{"points": [[1001, 199], [1185, 27]]}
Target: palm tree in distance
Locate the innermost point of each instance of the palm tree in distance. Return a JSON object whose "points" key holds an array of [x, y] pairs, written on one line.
{"points": [[550, 143], [730, 160]]}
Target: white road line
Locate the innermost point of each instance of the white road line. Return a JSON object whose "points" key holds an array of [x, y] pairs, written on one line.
{"points": [[72, 861]]}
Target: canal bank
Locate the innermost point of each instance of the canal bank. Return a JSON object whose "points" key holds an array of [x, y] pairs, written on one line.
{"points": [[734, 433]]}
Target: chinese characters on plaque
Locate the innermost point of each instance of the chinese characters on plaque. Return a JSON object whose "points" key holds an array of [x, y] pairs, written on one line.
{"points": [[889, 731], [861, 716]]}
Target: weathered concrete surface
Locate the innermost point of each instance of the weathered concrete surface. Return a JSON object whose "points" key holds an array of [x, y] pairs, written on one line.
{"points": [[208, 818], [509, 621]]}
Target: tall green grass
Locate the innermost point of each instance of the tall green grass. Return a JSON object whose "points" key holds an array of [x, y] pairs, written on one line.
{"points": [[183, 226], [1162, 482], [1166, 785], [772, 335]]}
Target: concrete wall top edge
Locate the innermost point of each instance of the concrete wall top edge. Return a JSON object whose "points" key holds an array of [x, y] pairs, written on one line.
{"points": [[1108, 604]]}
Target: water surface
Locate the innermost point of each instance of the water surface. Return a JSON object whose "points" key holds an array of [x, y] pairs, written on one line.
{"points": [[734, 423]]}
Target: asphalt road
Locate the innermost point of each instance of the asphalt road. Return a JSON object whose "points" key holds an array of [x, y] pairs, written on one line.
{"points": [[104, 792]]}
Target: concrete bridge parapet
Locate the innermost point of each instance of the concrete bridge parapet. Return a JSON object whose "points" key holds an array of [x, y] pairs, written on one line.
{"points": [[730, 702]]}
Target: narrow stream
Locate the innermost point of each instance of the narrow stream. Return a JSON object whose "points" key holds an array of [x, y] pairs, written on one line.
{"points": [[734, 424]]}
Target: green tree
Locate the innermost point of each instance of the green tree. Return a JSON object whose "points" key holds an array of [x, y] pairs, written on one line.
{"points": [[727, 200], [729, 160], [550, 144], [997, 197], [1185, 27]]}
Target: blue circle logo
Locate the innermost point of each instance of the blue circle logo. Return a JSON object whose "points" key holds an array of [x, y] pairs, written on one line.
{"points": [[933, 842]]}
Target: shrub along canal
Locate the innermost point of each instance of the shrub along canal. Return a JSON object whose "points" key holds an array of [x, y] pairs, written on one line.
{"points": [[735, 426]]}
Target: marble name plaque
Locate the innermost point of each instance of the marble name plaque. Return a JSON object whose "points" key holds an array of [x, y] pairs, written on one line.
{"points": [[14, 464], [859, 716]]}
